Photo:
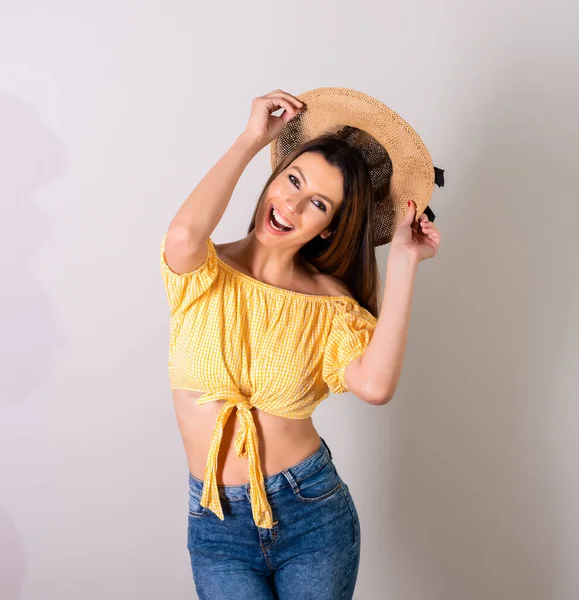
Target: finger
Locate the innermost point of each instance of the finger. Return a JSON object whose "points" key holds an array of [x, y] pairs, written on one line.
{"points": [[410, 214], [434, 236], [289, 115], [290, 107], [276, 102], [281, 94], [298, 103], [414, 227]]}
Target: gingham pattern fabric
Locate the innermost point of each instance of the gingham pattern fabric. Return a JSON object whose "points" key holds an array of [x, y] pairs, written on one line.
{"points": [[252, 344]]}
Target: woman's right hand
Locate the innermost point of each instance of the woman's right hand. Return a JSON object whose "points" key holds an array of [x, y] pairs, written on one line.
{"points": [[262, 127]]}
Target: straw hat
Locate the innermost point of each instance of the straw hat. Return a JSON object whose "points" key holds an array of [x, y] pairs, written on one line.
{"points": [[400, 165]]}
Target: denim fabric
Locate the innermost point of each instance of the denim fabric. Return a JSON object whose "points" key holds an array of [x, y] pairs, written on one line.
{"points": [[312, 551]]}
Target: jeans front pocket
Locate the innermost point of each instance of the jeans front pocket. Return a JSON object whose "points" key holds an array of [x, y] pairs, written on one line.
{"points": [[322, 484], [195, 508]]}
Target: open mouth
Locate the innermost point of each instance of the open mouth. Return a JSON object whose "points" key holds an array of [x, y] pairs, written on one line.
{"points": [[275, 221]]}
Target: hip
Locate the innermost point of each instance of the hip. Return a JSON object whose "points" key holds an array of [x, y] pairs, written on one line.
{"points": [[313, 547], [308, 497]]}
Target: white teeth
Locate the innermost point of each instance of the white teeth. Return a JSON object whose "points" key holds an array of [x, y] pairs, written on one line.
{"points": [[279, 219]]}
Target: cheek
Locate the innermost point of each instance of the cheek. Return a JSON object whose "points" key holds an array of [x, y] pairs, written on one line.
{"points": [[274, 189], [313, 224]]}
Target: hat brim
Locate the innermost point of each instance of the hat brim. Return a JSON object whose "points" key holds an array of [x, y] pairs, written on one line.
{"points": [[331, 107]]}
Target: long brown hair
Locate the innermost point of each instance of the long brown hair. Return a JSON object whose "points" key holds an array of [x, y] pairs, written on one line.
{"points": [[348, 254]]}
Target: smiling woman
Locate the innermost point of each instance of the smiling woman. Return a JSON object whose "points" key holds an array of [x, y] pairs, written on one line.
{"points": [[267, 327], [268, 297], [323, 190]]}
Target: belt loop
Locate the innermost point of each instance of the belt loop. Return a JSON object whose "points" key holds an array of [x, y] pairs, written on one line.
{"points": [[326, 445], [292, 481]]}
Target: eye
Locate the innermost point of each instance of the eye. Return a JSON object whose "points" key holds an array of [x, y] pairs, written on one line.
{"points": [[292, 178], [319, 204]]}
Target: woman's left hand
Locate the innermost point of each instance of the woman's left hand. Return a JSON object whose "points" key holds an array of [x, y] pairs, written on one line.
{"points": [[421, 243]]}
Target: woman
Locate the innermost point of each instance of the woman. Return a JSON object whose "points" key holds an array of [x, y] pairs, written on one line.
{"points": [[256, 326]]}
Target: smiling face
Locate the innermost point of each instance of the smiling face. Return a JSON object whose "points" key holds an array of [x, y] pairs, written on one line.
{"points": [[305, 195]]}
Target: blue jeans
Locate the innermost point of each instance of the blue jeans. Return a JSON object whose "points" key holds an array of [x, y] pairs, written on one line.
{"points": [[312, 551]]}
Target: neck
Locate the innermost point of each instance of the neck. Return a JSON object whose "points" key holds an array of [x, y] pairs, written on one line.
{"points": [[276, 265]]}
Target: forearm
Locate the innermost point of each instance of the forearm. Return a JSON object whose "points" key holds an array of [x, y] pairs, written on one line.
{"points": [[201, 212], [382, 361]]}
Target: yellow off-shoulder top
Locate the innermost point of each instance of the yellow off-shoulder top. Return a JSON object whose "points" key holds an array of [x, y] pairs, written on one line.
{"points": [[253, 344]]}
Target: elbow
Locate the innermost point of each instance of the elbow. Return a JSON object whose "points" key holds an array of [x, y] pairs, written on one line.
{"points": [[381, 398], [179, 232], [185, 238]]}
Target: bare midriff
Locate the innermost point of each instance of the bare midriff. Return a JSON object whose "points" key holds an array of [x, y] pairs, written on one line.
{"points": [[282, 442]]}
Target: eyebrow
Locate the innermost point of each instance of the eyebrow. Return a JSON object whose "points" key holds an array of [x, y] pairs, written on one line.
{"points": [[304, 178]]}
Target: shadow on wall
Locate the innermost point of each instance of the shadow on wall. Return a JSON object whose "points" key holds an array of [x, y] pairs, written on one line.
{"points": [[12, 559], [31, 156]]}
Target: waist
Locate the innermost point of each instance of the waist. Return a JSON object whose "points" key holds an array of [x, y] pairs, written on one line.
{"points": [[299, 471], [282, 441]]}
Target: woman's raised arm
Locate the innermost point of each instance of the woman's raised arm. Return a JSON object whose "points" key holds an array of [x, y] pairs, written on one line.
{"points": [[199, 215]]}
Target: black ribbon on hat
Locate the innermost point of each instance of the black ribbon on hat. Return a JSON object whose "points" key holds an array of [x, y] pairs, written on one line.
{"points": [[439, 181]]}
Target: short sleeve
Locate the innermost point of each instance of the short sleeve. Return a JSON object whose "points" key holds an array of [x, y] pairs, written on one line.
{"points": [[183, 289], [351, 331]]}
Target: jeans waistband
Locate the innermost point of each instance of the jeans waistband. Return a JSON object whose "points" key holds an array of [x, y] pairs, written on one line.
{"points": [[283, 479]]}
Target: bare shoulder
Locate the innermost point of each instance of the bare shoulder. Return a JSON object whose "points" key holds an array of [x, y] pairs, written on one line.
{"points": [[333, 286], [327, 285]]}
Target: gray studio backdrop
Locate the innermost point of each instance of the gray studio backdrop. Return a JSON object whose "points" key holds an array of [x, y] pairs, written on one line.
{"points": [[110, 113]]}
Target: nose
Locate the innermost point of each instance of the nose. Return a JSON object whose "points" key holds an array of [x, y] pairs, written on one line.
{"points": [[293, 205]]}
